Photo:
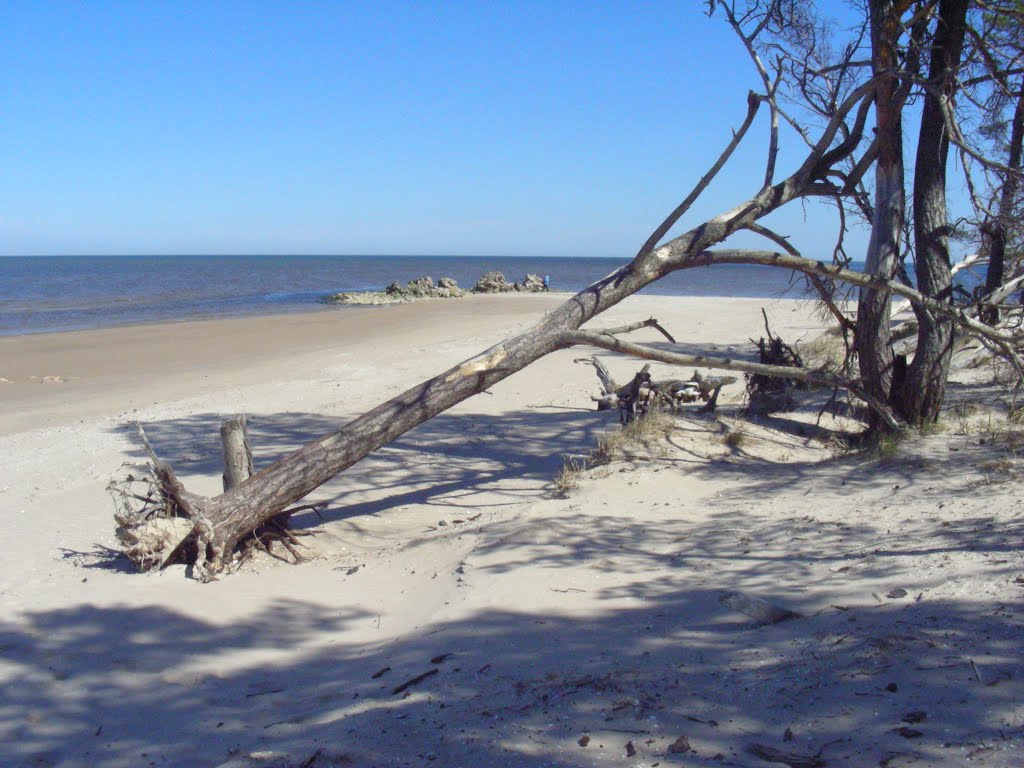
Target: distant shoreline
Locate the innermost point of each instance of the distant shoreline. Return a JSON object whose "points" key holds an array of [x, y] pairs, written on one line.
{"points": [[54, 294], [321, 307]]}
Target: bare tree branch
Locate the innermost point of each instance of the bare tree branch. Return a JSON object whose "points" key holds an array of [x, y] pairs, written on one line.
{"points": [[824, 378], [815, 280], [753, 103], [649, 323], [860, 279]]}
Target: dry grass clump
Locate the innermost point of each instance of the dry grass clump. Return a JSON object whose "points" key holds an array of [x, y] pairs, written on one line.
{"points": [[963, 418], [733, 439], [993, 466], [826, 351], [991, 428], [568, 477], [641, 433], [638, 439]]}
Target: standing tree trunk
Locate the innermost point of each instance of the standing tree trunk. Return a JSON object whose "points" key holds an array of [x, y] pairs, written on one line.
{"points": [[874, 352], [919, 398], [1007, 204]]}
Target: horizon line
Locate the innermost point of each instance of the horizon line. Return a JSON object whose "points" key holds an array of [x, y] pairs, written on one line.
{"points": [[298, 255]]}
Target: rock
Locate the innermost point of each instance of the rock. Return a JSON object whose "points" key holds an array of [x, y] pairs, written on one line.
{"points": [[680, 746], [532, 284], [364, 297], [493, 282], [420, 288]]}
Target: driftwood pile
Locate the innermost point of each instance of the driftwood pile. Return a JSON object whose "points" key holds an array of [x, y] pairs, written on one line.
{"points": [[643, 394], [768, 394]]}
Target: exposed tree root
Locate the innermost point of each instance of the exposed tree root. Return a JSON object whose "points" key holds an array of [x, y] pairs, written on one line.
{"points": [[159, 523], [767, 394]]}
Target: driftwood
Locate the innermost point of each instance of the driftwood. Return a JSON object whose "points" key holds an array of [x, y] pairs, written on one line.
{"points": [[756, 608], [814, 376], [708, 388], [631, 397], [792, 759], [766, 394], [413, 681], [643, 393], [155, 534], [609, 389]]}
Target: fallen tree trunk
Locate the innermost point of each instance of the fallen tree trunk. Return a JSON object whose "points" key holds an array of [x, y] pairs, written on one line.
{"points": [[221, 522], [820, 377]]}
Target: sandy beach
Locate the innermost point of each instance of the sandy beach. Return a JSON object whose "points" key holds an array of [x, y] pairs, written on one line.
{"points": [[455, 610]]}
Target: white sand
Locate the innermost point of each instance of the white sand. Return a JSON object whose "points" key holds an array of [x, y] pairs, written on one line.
{"points": [[592, 615]]}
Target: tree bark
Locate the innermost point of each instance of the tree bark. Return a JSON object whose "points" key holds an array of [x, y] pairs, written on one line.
{"points": [[1007, 204], [874, 352], [234, 438], [919, 397]]}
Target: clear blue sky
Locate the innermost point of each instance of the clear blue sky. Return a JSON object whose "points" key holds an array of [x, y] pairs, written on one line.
{"points": [[525, 128]]}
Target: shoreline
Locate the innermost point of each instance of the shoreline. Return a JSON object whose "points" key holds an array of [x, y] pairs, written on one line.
{"points": [[50, 374], [43, 371], [323, 304], [320, 306], [76, 293]]}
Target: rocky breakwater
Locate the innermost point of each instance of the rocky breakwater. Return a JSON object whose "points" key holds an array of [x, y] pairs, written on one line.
{"points": [[495, 282], [444, 288], [396, 293]]}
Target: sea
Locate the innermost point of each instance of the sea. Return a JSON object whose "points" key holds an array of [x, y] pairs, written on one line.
{"points": [[44, 294]]}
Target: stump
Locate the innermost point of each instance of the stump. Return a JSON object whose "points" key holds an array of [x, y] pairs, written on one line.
{"points": [[234, 437]]}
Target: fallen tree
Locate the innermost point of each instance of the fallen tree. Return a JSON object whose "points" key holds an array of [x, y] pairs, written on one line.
{"points": [[219, 524]]}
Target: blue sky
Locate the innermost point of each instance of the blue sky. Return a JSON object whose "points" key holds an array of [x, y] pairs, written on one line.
{"points": [[527, 128]]}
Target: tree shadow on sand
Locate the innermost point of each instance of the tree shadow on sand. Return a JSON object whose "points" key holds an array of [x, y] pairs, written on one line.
{"points": [[652, 658], [451, 460], [648, 658]]}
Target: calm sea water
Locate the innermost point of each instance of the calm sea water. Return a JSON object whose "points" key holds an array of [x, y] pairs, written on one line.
{"points": [[61, 293]]}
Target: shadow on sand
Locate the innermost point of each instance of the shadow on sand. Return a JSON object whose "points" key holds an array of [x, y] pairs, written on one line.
{"points": [[655, 658], [148, 686]]}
